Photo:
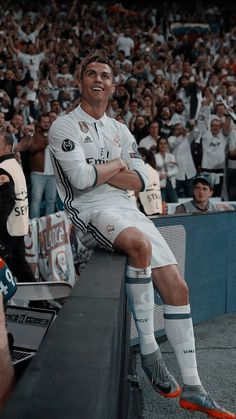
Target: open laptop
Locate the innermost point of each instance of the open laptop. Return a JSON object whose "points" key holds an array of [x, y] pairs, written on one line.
{"points": [[27, 328]]}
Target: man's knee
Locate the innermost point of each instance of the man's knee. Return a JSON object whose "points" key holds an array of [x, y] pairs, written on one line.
{"points": [[170, 285], [135, 245]]}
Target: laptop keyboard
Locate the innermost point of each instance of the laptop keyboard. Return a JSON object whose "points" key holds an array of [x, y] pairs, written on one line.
{"points": [[18, 355]]}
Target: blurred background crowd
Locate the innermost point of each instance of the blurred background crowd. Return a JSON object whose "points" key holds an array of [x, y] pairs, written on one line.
{"points": [[175, 71]]}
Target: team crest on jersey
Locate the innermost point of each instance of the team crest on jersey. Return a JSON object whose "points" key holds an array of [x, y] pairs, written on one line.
{"points": [[135, 154], [110, 228], [116, 141], [87, 140], [83, 126], [68, 145]]}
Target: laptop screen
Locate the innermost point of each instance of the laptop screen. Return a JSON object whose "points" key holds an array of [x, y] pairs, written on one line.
{"points": [[28, 326]]}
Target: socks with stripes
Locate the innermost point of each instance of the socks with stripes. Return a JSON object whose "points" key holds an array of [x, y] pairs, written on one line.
{"points": [[140, 294], [179, 331]]}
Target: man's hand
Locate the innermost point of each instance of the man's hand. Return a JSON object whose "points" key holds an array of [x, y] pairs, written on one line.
{"points": [[27, 133], [28, 130]]}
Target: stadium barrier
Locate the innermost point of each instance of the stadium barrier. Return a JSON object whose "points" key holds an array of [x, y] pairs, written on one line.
{"points": [[81, 367]]}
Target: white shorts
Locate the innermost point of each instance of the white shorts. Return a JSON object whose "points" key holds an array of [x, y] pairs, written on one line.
{"points": [[104, 225]]}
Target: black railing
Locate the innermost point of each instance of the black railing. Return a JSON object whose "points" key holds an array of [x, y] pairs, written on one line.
{"points": [[80, 370]]}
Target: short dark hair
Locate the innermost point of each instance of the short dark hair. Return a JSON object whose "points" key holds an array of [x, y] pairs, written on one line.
{"points": [[43, 115], [205, 180], [8, 137], [95, 57], [149, 156]]}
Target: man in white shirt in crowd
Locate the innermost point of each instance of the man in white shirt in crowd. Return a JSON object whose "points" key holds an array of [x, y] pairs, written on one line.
{"points": [[150, 141], [179, 144], [125, 43], [179, 116], [214, 142]]}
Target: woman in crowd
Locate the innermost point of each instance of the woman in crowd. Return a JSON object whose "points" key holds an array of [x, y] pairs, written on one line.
{"points": [[167, 167]]}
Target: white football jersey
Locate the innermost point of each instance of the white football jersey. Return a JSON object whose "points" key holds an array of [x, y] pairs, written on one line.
{"points": [[78, 142]]}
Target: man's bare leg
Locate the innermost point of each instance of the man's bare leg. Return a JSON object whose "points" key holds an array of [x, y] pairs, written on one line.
{"points": [[140, 294]]}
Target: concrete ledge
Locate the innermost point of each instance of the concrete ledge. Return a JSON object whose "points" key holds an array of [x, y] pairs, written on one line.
{"points": [[80, 369]]}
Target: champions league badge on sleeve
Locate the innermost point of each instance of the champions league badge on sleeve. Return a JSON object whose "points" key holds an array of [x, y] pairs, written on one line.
{"points": [[68, 145], [135, 154]]}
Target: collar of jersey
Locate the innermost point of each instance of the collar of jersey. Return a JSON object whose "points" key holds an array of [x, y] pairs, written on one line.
{"points": [[83, 116]]}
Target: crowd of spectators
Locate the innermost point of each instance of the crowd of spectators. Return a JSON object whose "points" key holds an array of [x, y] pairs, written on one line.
{"points": [[175, 71]]}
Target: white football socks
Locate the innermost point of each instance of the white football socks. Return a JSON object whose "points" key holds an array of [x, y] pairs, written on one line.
{"points": [[140, 294], [179, 331]]}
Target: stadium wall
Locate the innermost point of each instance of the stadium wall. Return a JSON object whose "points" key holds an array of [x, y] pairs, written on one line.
{"points": [[210, 261], [81, 368]]}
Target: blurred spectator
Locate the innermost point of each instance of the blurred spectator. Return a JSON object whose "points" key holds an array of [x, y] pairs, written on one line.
{"points": [[140, 128], [114, 109], [42, 176], [6, 105], [56, 107], [164, 121], [231, 168], [8, 84], [148, 108], [188, 90], [18, 131], [202, 192], [122, 96], [122, 60], [131, 113], [179, 144], [3, 125], [214, 143], [28, 33], [150, 200], [179, 116], [125, 43], [31, 59], [150, 141], [167, 168]]}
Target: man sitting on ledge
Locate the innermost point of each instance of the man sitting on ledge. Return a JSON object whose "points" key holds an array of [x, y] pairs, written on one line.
{"points": [[96, 161]]}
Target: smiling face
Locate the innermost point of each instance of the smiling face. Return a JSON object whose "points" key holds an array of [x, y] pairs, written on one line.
{"points": [[97, 87], [215, 126], [163, 146]]}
